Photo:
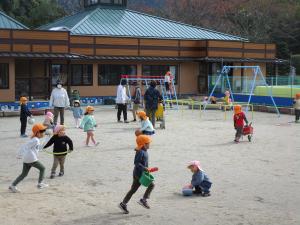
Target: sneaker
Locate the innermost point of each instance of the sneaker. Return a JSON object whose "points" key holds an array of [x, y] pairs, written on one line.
{"points": [[13, 189], [123, 207], [61, 174], [126, 121], [97, 143], [42, 185], [133, 121], [206, 194], [52, 175], [144, 203], [119, 121], [23, 135]]}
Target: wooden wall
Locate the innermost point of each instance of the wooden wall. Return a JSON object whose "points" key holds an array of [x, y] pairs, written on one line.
{"points": [[33, 41]]}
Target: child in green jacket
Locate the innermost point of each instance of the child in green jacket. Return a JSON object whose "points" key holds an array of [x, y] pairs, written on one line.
{"points": [[88, 124]]}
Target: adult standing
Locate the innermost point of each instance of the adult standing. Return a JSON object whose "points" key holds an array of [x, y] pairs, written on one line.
{"points": [[59, 100], [121, 101], [136, 101], [152, 98]]}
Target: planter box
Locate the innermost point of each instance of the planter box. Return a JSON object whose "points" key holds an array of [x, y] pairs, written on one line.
{"points": [[263, 108], [256, 108], [271, 109], [11, 113], [1, 114], [289, 111]]}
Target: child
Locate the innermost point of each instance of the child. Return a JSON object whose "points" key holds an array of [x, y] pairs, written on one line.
{"points": [[60, 150], [140, 165], [29, 153], [24, 113], [77, 113], [297, 107], [88, 124], [137, 97], [200, 180], [147, 127], [48, 121], [238, 120]]}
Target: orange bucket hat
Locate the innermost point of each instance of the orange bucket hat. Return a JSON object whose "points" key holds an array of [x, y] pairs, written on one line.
{"points": [[38, 128], [23, 99], [141, 140], [237, 109], [142, 114], [89, 109], [298, 96]]}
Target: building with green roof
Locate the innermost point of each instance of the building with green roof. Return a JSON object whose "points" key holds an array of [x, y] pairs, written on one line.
{"points": [[7, 22]]}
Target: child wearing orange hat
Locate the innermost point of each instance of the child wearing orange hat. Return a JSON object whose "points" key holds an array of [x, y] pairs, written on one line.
{"points": [[140, 165], [297, 107], [24, 113], [29, 153], [238, 121], [60, 149], [146, 125], [88, 124], [200, 181]]}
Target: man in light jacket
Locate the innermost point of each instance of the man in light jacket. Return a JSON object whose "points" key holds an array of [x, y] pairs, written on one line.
{"points": [[59, 100], [121, 101]]}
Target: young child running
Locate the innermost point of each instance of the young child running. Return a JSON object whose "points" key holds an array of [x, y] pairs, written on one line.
{"points": [[297, 108], [238, 121], [88, 124], [77, 113], [140, 165], [29, 153], [200, 181], [147, 127], [24, 113], [60, 149]]}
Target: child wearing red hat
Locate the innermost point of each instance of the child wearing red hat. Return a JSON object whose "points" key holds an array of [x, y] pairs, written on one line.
{"points": [[140, 165], [29, 153], [238, 121], [200, 181]]}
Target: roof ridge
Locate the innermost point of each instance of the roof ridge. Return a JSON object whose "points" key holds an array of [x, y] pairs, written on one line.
{"points": [[185, 24], [12, 19], [84, 19]]}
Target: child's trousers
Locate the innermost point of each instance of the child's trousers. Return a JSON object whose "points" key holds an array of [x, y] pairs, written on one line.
{"points": [[134, 187], [77, 122], [297, 114], [25, 171], [58, 159], [239, 133], [23, 125], [203, 187]]}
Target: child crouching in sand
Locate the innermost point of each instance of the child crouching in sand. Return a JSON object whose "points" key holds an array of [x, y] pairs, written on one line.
{"points": [[200, 181], [140, 165], [29, 153], [238, 121], [146, 125], [88, 124], [60, 149]]}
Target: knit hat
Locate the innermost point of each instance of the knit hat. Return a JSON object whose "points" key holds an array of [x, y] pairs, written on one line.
{"points": [[58, 128], [49, 114], [142, 114], [195, 163], [298, 96], [237, 109], [38, 128], [23, 99], [141, 140], [89, 109]]}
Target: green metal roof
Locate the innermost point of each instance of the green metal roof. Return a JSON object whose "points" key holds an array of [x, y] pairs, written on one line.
{"points": [[7, 22], [127, 23]]}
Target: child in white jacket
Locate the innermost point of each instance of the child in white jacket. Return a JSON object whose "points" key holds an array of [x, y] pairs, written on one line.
{"points": [[146, 125]]}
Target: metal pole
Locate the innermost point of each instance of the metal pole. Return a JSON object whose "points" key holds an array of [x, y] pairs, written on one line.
{"points": [[252, 88]]}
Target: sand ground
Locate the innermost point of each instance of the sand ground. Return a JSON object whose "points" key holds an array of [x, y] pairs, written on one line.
{"points": [[253, 183]]}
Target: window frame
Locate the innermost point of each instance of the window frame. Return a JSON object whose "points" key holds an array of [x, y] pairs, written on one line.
{"points": [[81, 76], [99, 71], [7, 76]]}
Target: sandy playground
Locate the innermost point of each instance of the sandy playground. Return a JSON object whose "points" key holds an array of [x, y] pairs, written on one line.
{"points": [[253, 183]]}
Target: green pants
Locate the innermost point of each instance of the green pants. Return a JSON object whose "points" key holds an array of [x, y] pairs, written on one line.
{"points": [[25, 171]]}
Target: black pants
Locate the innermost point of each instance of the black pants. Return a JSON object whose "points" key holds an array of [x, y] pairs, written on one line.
{"points": [[23, 125], [297, 114], [122, 108], [239, 133], [134, 187]]}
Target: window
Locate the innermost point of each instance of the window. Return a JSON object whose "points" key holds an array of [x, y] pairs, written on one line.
{"points": [[81, 75], [59, 72], [4, 77], [111, 74], [160, 70]]}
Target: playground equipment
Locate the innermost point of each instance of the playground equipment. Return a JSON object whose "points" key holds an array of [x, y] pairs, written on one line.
{"points": [[256, 71], [167, 96]]}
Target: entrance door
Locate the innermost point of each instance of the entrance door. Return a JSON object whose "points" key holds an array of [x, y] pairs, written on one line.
{"points": [[203, 79]]}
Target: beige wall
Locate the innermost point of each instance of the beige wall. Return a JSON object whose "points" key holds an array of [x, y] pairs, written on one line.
{"points": [[188, 78], [8, 95]]}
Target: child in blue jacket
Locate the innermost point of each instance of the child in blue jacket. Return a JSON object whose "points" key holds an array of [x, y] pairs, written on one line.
{"points": [[88, 125], [24, 113], [77, 113]]}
